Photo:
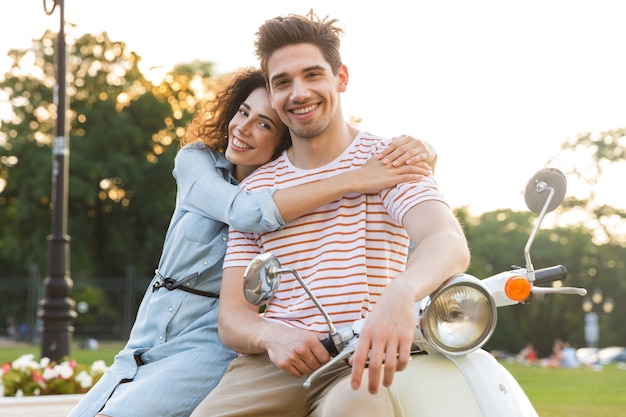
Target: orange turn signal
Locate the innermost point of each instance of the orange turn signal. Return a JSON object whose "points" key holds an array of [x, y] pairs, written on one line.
{"points": [[517, 288]]}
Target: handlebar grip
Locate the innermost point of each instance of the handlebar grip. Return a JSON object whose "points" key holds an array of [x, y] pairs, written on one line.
{"points": [[330, 346], [550, 274]]}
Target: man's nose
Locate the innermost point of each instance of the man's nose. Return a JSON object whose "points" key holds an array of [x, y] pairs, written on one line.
{"points": [[299, 90]]}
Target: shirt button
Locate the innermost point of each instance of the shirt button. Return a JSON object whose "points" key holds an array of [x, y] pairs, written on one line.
{"points": [[205, 262], [169, 309], [160, 337], [224, 238]]}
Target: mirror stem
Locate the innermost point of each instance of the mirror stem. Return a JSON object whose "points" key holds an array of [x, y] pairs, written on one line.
{"points": [[331, 327], [541, 187]]}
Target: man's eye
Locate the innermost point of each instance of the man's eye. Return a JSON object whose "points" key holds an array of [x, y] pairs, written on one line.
{"points": [[280, 83]]}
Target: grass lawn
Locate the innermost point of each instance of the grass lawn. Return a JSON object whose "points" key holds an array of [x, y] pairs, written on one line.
{"points": [[106, 351], [559, 392], [554, 392]]}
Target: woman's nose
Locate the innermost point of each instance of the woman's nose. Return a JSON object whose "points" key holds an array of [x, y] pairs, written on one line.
{"points": [[244, 127]]}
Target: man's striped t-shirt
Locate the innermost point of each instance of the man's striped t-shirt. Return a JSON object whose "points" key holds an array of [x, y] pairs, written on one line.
{"points": [[346, 251]]}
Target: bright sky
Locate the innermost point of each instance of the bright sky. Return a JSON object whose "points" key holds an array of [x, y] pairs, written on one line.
{"points": [[497, 86]]}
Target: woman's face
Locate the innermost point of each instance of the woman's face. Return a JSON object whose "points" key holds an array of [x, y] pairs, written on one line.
{"points": [[254, 133]]}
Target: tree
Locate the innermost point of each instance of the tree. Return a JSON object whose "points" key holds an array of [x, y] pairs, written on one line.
{"points": [[589, 160], [123, 137], [497, 240], [124, 134]]}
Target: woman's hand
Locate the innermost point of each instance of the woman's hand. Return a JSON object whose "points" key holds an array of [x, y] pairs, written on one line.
{"points": [[407, 150], [375, 176]]}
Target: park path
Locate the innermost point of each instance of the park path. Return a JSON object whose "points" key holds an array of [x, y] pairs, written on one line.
{"points": [[42, 406]]}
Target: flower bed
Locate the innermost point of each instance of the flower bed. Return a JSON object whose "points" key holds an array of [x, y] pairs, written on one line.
{"points": [[25, 377]]}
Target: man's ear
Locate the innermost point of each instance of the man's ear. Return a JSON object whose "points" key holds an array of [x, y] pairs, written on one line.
{"points": [[343, 78]]}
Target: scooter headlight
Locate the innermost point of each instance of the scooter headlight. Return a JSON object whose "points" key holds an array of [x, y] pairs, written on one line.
{"points": [[460, 317]]}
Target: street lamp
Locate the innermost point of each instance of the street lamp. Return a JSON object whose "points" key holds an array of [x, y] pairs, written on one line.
{"points": [[592, 327], [57, 313]]}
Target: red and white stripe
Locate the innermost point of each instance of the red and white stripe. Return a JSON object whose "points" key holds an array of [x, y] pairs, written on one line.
{"points": [[346, 251]]}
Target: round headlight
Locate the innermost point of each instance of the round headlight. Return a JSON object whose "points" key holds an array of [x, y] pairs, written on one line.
{"points": [[460, 317]]}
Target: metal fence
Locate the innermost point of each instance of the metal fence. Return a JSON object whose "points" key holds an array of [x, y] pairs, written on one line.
{"points": [[106, 306]]}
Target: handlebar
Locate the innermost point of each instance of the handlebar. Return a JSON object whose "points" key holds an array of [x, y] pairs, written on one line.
{"points": [[550, 274], [330, 346]]}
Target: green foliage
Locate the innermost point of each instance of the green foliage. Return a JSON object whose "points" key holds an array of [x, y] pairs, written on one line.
{"points": [[497, 240], [100, 308], [124, 133], [588, 160]]}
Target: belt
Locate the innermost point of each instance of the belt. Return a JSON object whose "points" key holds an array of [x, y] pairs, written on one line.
{"points": [[172, 284]]}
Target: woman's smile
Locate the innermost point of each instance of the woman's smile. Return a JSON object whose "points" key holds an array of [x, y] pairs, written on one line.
{"points": [[238, 144]]}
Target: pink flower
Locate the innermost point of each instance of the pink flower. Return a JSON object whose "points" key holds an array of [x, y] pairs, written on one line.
{"points": [[38, 378]]}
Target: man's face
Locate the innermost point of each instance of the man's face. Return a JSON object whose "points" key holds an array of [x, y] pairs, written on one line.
{"points": [[304, 90]]}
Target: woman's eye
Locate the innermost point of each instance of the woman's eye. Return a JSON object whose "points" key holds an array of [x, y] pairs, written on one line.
{"points": [[265, 125]]}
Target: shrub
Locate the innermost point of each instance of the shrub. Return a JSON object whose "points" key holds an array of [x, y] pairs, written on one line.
{"points": [[27, 377]]}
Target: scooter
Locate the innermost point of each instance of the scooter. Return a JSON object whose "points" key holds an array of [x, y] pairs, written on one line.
{"points": [[449, 373]]}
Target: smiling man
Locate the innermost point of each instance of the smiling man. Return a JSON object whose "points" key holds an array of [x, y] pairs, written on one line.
{"points": [[352, 252]]}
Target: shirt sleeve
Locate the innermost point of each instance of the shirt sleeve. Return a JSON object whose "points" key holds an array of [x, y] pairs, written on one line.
{"points": [[204, 188], [398, 200]]}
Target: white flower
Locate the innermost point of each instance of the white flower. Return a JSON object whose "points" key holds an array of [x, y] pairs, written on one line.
{"points": [[49, 374], [99, 366], [64, 370], [25, 363], [44, 362], [84, 379]]}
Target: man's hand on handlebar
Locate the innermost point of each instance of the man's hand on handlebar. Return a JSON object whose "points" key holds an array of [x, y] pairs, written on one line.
{"points": [[297, 352]]}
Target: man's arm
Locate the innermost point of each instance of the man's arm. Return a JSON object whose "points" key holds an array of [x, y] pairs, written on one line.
{"points": [[296, 351], [440, 251]]}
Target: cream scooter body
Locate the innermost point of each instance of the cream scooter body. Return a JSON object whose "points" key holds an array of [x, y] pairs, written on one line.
{"points": [[473, 385], [449, 374]]}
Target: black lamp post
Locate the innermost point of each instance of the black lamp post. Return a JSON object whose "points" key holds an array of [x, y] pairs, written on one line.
{"points": [[57, 308]]}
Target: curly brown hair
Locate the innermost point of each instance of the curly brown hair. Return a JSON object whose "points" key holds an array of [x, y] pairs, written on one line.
{"points": [[210, 123]]}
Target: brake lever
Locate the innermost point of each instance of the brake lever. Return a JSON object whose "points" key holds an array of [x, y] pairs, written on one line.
{"points": [[538, 293], [347, 351]]}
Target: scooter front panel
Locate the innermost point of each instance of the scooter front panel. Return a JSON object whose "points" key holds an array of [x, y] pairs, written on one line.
{"points": [[432, 386]]}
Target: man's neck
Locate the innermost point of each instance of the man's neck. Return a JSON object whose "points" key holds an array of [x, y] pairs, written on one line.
{"points": [[310, 153]]}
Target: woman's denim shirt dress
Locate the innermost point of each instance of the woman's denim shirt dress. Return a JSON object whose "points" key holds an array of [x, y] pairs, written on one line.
{"points": [[175, 332]]}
